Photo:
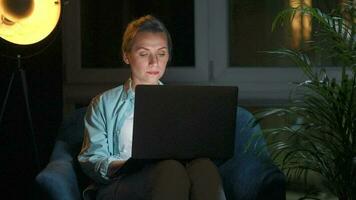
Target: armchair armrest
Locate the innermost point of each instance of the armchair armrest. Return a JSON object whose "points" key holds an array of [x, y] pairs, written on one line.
{"points": [[252, 179], [250, 174], [58, 180]]}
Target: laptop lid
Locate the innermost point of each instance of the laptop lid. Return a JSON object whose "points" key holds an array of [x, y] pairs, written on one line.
{"points": [[184, 122]]}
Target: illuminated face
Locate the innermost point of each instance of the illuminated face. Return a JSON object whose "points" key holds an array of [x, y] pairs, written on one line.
{"points": [[147, 58]]}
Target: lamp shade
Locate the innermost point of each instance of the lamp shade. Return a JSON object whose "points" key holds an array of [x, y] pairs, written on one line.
{"points": [[27, 22]]}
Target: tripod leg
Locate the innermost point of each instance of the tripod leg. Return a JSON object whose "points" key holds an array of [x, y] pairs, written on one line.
{"points": [[6, 97], [32, 134]]}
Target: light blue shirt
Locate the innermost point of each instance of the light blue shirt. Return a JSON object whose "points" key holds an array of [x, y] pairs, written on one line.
{"points": [[125, 138], [103, 124]]}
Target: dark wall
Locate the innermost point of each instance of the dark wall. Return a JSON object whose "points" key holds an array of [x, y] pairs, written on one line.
{"points": [[44, 77]]}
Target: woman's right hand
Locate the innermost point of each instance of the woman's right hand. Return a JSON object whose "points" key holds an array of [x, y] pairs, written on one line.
{"points": [[114, 166]]}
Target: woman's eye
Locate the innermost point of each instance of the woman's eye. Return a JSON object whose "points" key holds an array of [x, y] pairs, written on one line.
{"points": [[143, 54], [161, 54]]}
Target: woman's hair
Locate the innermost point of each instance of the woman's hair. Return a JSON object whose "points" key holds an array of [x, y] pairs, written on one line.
{"points": [[146, 23]]}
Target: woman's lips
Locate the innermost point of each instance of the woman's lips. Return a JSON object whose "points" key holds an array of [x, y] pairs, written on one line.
{"points": [[153, 72]]}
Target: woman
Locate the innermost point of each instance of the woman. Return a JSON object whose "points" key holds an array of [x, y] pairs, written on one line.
{"points": [[107, 142]]}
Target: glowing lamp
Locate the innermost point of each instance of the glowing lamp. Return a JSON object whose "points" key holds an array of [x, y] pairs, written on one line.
{"points": [[26, 22]]}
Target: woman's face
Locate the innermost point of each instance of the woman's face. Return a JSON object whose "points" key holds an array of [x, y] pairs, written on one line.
{"points": [[148, 57]]}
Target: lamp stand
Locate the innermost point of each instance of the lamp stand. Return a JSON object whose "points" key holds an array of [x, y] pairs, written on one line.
{"points": [[29, 116]]}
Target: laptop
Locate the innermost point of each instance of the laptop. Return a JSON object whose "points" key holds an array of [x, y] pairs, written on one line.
{"points": [[184, 122]]}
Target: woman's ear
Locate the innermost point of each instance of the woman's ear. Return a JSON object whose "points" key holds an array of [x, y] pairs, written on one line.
{"points": [[126, 60]]}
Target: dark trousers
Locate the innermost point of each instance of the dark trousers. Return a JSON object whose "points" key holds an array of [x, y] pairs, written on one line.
{"points": [[198, 179]]}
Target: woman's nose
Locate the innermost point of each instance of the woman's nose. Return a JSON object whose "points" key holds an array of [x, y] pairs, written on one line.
{"points": [[153, 60]]}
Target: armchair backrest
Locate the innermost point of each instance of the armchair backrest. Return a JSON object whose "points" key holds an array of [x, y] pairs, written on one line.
{"points": [[72, 129]]}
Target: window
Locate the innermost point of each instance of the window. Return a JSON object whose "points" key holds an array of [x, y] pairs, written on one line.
{"points": [[102, 26], [250, 33], [92, 32], [239, 31]]}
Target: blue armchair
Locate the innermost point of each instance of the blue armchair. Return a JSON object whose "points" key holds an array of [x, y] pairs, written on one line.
{"points": [[246, 176]]}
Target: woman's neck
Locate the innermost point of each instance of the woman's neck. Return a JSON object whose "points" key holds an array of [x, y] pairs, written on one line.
{"points": [[131, 84]]}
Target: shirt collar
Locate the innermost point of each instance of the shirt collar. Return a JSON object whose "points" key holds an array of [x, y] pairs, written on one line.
{"points": [[130, 93]]}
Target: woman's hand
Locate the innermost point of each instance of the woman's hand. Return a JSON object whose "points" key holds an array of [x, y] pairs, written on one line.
{"points": [[114, 166]]}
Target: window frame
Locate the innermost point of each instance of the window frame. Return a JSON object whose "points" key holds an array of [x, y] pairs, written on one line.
{"points": [[77, 74], [264, 86]]}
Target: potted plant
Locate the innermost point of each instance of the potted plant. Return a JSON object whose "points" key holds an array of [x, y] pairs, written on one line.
{"points": [[319, 129]]}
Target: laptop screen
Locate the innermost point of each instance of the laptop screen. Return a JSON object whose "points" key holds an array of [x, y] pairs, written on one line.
{"points": [[184, 122]]}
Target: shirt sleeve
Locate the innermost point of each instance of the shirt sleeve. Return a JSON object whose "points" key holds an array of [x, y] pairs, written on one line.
{"points": [[95, 156]]}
